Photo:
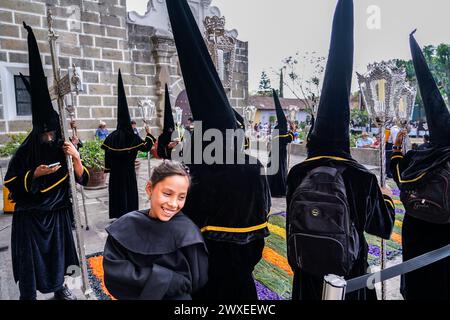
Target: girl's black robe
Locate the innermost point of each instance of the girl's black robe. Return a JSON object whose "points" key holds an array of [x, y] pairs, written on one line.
{"points": [[147, 259]]}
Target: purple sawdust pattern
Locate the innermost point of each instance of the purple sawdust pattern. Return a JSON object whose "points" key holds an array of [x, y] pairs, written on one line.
{"points": [[265, 293]]}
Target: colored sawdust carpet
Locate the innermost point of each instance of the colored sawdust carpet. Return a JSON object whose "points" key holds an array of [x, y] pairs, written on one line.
{"points": [[273, 275]]}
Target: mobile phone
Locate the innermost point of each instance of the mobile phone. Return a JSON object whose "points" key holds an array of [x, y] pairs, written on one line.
{"points": [[53, 165]]}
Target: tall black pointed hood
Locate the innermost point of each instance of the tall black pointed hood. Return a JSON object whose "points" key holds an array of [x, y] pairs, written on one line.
{"points": [[123, 137], [206, 94], [282, 125], [44, 117], [438, 117], [330, 134], [33, 152], [169, 124], [123, 115], [26, 83]]}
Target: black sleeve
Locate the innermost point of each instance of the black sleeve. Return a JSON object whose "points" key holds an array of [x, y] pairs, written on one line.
{"points": [[19, 185], [108, 161], [397, 166], [287, 138], [380, 212], [148, 143], [197, 258], [84, 179]]}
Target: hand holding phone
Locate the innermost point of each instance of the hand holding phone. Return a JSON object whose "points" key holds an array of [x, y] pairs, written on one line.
{"points": [[53, 165]]}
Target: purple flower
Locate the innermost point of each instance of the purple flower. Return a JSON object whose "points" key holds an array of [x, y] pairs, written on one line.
{"points": [[374, 250], [283, 214], [265, 293]]}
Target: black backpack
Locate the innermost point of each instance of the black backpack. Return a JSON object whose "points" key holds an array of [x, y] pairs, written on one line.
{"points": [[428, 198], [322, 239]]}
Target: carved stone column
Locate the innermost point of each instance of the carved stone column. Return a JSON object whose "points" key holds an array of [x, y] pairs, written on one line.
{"points": [[163, 51]]}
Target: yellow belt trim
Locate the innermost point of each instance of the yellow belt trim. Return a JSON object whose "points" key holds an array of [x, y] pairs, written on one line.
{"points": [[327, 157], [12, 179], [390, 202], [409, 181], [49, 188], [85, 169], [395, 157], [234, 230], [283, 136], [125, 149], [152, 140], [25, 180]]}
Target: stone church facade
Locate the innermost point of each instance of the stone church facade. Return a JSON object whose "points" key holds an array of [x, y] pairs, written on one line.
{"points": [[100, 37]]}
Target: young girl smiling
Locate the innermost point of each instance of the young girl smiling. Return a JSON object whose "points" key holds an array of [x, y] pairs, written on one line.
{"points": [[158, 253]]}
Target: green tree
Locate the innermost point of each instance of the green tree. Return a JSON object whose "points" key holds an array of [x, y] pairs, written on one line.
{"points": [[265, 88], [359, 117]]}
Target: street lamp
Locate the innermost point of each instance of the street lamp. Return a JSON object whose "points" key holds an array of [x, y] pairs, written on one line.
{"points": [[384, 89], [147, 109]]}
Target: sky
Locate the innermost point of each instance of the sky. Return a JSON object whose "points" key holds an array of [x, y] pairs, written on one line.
{"points": [[276, 29]]}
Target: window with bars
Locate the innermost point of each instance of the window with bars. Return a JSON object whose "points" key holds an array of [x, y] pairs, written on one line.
{"points": [[23, 98]]}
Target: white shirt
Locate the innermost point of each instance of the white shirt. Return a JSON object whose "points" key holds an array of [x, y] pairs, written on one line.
{"points": [[394, 132]]}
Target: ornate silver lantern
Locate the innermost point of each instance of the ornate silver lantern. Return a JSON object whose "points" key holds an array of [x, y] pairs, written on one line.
{"points": [[147, 109], [222, 48], [388, 99], [178, 120]]}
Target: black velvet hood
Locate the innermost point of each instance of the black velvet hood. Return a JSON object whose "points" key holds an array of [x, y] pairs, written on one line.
{"points": [[282, 125], [32, 152], [438, 117], [169, 125], [207, 97], [123, 137], [330, 135]]}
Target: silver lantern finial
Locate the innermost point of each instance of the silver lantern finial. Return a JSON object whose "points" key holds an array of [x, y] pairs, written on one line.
{"points": [[147, 110]]}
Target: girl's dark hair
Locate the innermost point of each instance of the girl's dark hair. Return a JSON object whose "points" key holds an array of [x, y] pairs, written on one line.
{"points": [[169, 168]]}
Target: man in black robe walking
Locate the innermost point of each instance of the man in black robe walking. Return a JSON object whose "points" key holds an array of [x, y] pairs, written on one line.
{"points": [[42, 244], [278, 181], [121, 148], [328, 145], [228, 202], [165, 143], [422, 234]]}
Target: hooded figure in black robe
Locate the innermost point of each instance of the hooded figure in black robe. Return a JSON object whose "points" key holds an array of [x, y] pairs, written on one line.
{"points": [[42, 244], [228, 202], [121, 148], [163, 149], [148, 259], [419, 236], [278, 181], [328, 145]]}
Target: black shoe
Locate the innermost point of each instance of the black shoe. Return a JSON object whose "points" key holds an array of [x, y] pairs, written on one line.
{"points": [[64, 294]]}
